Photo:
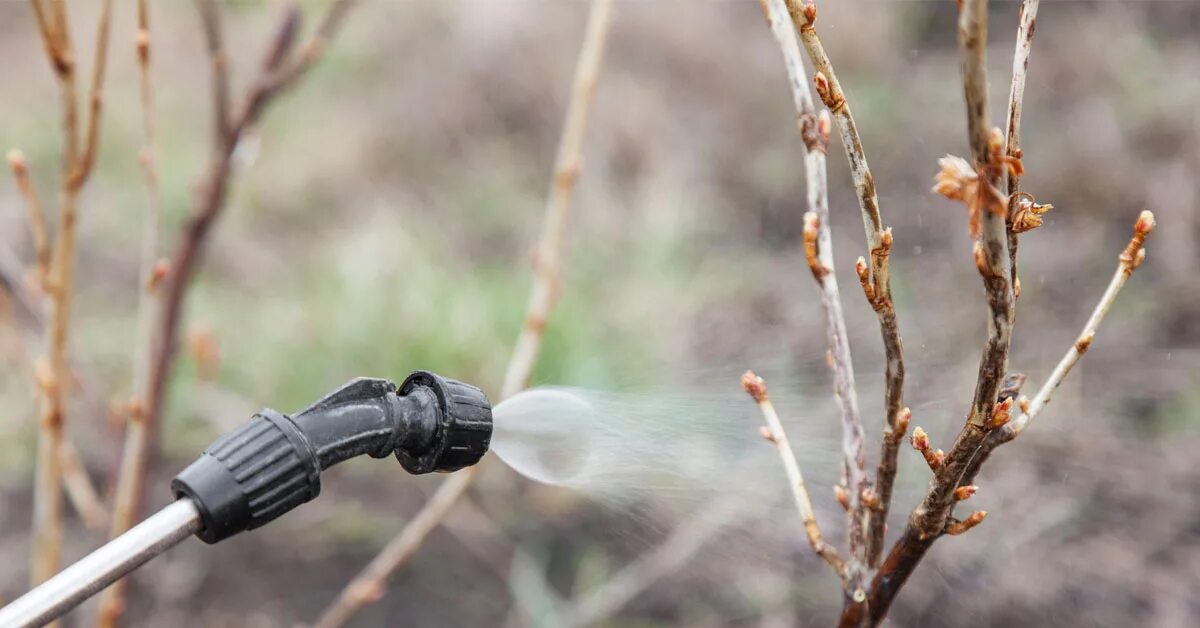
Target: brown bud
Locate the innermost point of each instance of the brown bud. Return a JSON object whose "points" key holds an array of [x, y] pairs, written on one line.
{"points": [[812, 233], [810, 14], [869, 498], [885, 240], [1145, 223], [824, 125], [842, 496], [902, 420], [1023, 404], [754, 386], [864, 278], [1134, 254], [1084, 341], [142, 41], [958, 527], [1001, 414], [1017, 288], [821, 82], [920, 440], [965, 492]]}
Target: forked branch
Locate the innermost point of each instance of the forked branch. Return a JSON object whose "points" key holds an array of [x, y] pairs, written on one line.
{"points": [[876, 283]]}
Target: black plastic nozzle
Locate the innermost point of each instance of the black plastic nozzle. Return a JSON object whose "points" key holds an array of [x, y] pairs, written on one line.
{"points": [[273, 463]]}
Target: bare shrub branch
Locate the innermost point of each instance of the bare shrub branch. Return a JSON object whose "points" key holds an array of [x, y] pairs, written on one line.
{"points": [[774, 434], [876, 285], [369, 585], [53, 371]]}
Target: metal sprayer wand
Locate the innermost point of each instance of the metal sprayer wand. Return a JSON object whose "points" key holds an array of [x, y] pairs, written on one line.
{"points": [[272, 464], [54, 597]]}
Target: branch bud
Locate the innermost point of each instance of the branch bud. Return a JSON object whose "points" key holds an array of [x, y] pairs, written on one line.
{"points": [[869, 498], [1134, 253], [767, 434], [812, 232], [902, 420], [842, 496], [1001, 414], [965, 492], [958, 527], [754, 386]]}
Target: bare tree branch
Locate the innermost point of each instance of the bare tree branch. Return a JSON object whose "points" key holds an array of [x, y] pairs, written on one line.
{"points": [[369, 585]]}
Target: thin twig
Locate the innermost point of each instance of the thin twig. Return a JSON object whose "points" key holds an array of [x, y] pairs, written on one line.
{"points": [[37, 217], [773, 432], [368, 585], [818, 241], [131, 474], [1016, 103], [53, 372], [877, 288]]}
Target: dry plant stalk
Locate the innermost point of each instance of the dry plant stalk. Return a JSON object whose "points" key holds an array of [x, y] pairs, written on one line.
{"points": [[369, 585], [875, 279], [52, 372], [131, 473]]}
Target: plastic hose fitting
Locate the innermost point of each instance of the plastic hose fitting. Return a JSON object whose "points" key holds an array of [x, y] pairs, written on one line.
{"points": [[273, 463]]}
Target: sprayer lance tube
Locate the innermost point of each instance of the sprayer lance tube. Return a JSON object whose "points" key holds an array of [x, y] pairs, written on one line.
{"points": [[103, 567], [272, 464]]}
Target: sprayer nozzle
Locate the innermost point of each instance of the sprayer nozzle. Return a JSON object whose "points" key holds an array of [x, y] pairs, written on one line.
{"points": [[459, 424], [273, 463]]}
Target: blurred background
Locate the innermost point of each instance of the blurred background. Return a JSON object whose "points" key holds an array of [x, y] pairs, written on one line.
{"points": [[382, 220]]}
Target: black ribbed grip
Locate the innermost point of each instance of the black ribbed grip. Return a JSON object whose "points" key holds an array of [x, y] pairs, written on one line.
{"points": [[250, 476]]}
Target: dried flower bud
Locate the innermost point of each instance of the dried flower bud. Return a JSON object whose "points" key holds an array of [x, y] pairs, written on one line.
{"points": [[965, 492], [1027, 213], [957, 180], [754, 386], [958, 527]]}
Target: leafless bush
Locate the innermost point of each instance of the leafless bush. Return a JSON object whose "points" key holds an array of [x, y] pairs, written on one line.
{"points": [[998, 413]]}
